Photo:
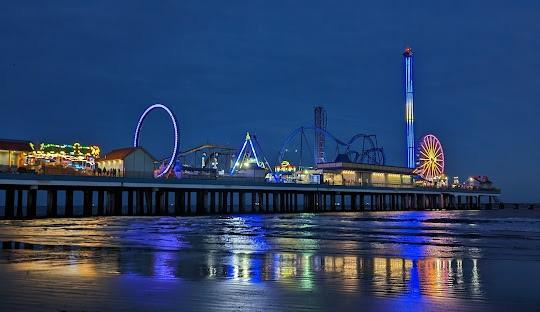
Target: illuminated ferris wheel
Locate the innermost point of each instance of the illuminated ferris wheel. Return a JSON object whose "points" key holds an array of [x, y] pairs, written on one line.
{"points": [[430, 158]]}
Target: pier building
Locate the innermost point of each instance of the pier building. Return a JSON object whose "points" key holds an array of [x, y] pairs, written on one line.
{"points": [[12, 154], [356, 174], [129, 162]]}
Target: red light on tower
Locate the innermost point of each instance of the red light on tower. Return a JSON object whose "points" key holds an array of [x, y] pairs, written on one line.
{"points": [[407, 52]]}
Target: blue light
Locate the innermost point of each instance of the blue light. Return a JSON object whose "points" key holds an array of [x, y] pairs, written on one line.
{"points": [[409, 109], [238, 158]]}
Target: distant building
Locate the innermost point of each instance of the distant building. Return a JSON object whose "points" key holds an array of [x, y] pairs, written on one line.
{"points": [[129, 162], [12, 154]]}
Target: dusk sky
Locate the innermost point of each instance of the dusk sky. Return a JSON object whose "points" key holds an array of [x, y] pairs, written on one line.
{"points": [[85, 70]]}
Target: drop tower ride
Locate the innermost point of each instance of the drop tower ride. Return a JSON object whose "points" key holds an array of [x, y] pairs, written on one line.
{"points": [[409, 108]]}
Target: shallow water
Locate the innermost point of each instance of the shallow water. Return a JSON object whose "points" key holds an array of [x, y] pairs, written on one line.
{"points": [[438, 260]]}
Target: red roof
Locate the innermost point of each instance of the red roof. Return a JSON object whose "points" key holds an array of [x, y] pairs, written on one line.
{"points": [[122, 153], [15, 145]]}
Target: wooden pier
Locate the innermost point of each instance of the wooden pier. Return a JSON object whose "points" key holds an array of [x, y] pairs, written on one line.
{"points": [[64, 196]]}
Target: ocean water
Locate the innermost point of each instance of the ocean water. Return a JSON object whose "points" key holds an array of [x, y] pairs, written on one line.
{"points": [[395, 261]]}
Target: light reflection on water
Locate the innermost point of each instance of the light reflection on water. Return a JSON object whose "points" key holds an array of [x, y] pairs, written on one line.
{"points": [[381, 276], [409, 255]]}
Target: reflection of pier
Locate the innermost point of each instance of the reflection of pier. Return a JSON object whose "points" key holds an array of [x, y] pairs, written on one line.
{"points": [[123, 196], [433, 277]]}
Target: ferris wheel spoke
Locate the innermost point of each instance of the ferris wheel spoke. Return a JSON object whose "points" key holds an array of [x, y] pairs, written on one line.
{"points": [[425, 153], [439, 149]]}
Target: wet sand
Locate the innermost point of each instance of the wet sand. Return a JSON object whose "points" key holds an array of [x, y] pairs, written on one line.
{"points": [[433, 261]]}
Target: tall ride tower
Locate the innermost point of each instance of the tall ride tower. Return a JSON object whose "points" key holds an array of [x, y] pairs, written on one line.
{"points": [[320, 123], [409, 108]]}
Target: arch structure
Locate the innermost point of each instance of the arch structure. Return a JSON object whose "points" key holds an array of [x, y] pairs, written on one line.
{"points": [[174, 121], [368, 153]]}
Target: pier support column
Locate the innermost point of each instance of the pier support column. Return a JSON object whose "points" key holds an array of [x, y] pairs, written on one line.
{"points": [[158, 199], [179, 203], [212, 202], [260, 201], [148, 201], [9, 206], [188, 207], [231, 202], [220, 195], [274, 202], [20, 195], [291, 202], [266, 201], [139, 202], [253, 202], [162, 206], [286, 201], [130, 203], [118, 203], [354, 206], [307, 202], [223, 207], [68, 212], [87, 203], [109, 203], [166, 203], [31, 202], [362, 202], [241, 202], [101, 203], [52, 203], [200, 204]]}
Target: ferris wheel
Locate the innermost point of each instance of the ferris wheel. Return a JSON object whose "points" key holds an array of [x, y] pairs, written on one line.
{"points": [[430, 158]]}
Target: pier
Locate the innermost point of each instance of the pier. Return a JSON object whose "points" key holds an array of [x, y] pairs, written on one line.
{"points": [[106, 196]]}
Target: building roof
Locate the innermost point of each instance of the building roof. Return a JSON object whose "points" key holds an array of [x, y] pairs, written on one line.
{"points": [[364, 167], [122, 153], [15, 145]]}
